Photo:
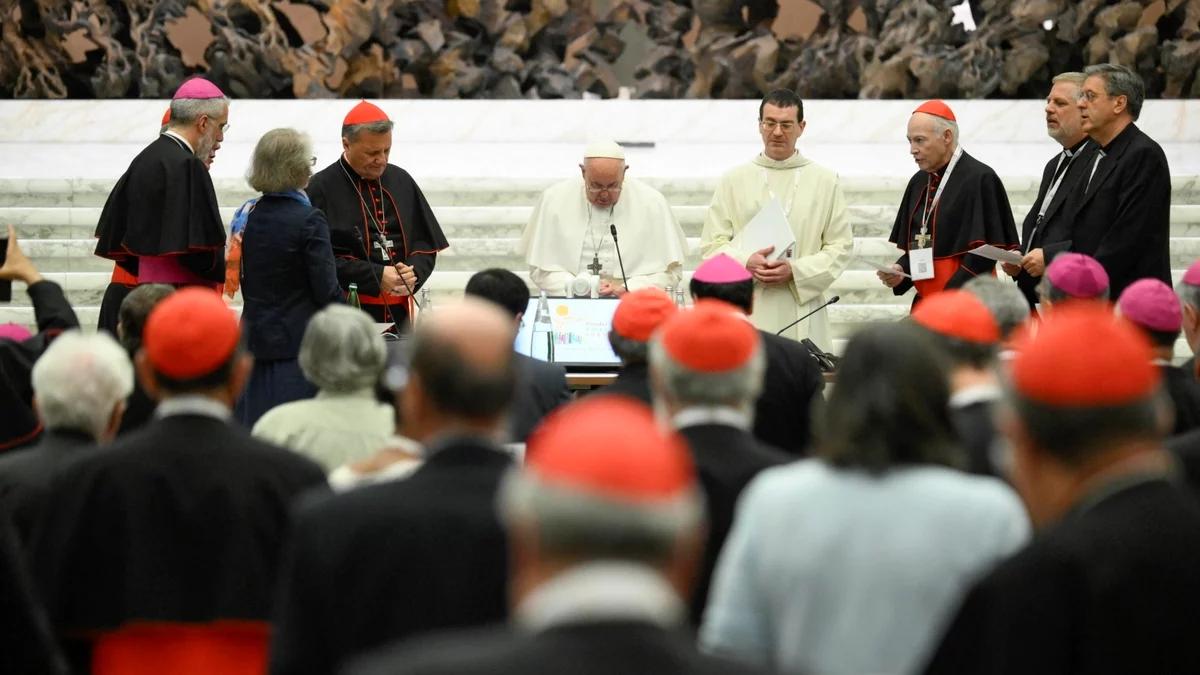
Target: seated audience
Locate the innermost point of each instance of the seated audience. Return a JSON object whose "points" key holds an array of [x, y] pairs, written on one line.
{"points": [[792, 382], [606, 526], [853, 561], [968, 336], [706, 370], [343, 355], [1152, 306], [159, 554], [1109, 585], [426, 552], [638, 315], [288, 270], [19, 425], [79, 389], [541, 386], [131, 321]]}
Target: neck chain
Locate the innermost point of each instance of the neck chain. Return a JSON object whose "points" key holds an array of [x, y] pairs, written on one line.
{"points": [[379, 224], [591, 233]]}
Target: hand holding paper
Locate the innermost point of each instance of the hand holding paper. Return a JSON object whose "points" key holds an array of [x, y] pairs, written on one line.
{"points": [[998, 254]]}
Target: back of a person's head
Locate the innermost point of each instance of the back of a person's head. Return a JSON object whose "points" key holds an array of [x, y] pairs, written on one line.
{"points": [[1085, 382], [463, 357], [708, 356], [962, 326], [603, 481], [723, 278], [890, 404], [135, 309], [80, 381], [341, 350], [191, 342], [501, 287], [1153, 306], [638, 315], [1003, 299], [1074, 276]]}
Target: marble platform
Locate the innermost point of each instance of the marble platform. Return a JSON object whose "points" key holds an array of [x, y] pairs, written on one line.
{"points": [[483, 164]]}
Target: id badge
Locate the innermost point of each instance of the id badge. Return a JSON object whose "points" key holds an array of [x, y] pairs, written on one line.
{"points": [[920, 263]]}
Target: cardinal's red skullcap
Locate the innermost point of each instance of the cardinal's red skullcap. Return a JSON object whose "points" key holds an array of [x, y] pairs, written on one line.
{"points": [[1084, 356], [1078, 275], [721, 269], [364, 113], [610, 447], [1151, 304], [713, 337], [937, 108], [166, 117], [958, 314], [198, 88], [1192, 276], [640, 312], [190, 334]]}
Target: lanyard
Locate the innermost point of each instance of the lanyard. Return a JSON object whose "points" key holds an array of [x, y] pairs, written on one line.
{"points": [[787, 205], [930, 206], [1053, 189]]}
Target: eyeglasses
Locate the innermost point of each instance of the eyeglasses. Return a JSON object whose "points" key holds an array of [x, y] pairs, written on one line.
{"points": [[1090, 96], [770, 125], [599, 190]]}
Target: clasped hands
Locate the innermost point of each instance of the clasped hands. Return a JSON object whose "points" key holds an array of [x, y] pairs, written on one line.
{"points": [[394, 278], [766, 272]]}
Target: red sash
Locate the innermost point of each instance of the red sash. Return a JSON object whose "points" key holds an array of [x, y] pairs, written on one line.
{"points": [[224, 647]]}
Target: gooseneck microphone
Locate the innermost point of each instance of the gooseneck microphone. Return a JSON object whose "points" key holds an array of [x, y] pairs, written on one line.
{"points": [[828, 303], [612, 227]]}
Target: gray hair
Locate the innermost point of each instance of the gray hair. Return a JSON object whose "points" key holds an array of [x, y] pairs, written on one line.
{"points": [[341, 351], [350, 132], [1004, 300], [1189, 295], [80, 380], [941, 124], [185, 111], [282, 161], [573, 524], [1074, 77], [1121, 81], [629, 351], [738, 388]]}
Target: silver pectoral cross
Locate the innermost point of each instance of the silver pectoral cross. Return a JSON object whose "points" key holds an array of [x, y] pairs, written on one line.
{"points": [[595, 267]]}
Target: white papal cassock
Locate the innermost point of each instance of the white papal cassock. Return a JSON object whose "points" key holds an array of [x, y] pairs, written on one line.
{"points": [[566, 231], [812, 198]]}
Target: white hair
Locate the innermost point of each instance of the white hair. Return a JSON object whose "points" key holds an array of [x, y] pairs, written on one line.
{"points": [[80, 380], [941, 124], [738, 388], [341, 350]]}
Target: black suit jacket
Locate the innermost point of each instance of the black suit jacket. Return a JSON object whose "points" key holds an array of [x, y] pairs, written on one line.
{"points": [[288, 274], [1124, 218], [26, 645], [633, 381], [1111, 589], [25, 476], [391, 560], [726, 459], [183, 520], [599, 648], [541, 387], [792, 385], [1053, 236]]}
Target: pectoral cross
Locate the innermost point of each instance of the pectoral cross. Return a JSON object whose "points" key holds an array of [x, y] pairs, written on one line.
{"points": [[922, 240], [595, 267]]}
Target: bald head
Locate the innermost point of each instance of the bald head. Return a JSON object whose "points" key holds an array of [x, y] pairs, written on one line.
{"points": [[602, 179], [462, 371]]}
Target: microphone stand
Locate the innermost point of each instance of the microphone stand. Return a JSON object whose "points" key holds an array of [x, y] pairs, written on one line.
{"points": [[830, 302], [624, 279]]}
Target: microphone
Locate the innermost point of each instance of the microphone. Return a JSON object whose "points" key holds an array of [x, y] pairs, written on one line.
{"points": [[828, 303], [612, 227]]}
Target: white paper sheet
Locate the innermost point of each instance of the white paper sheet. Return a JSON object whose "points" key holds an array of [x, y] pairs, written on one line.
{"points": [[768, 227], [883, 268], [998, 254]]}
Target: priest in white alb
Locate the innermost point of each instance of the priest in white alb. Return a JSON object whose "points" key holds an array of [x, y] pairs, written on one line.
{"points": [[568, 241], [781, 186]]}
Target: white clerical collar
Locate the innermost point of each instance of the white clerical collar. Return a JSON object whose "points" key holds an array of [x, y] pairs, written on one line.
{"points": [[181, 139], [979, 393], [193, 404], [722, 415], [604, 590]]}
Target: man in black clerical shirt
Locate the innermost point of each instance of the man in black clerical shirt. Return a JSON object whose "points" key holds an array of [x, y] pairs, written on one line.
{"points": [[1123, 212], [1110, 584], [384, 233], [1046, 230]]}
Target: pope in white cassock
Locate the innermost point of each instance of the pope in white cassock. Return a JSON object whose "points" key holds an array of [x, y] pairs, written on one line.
{"points": [[568, 243], [782, 181]]}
